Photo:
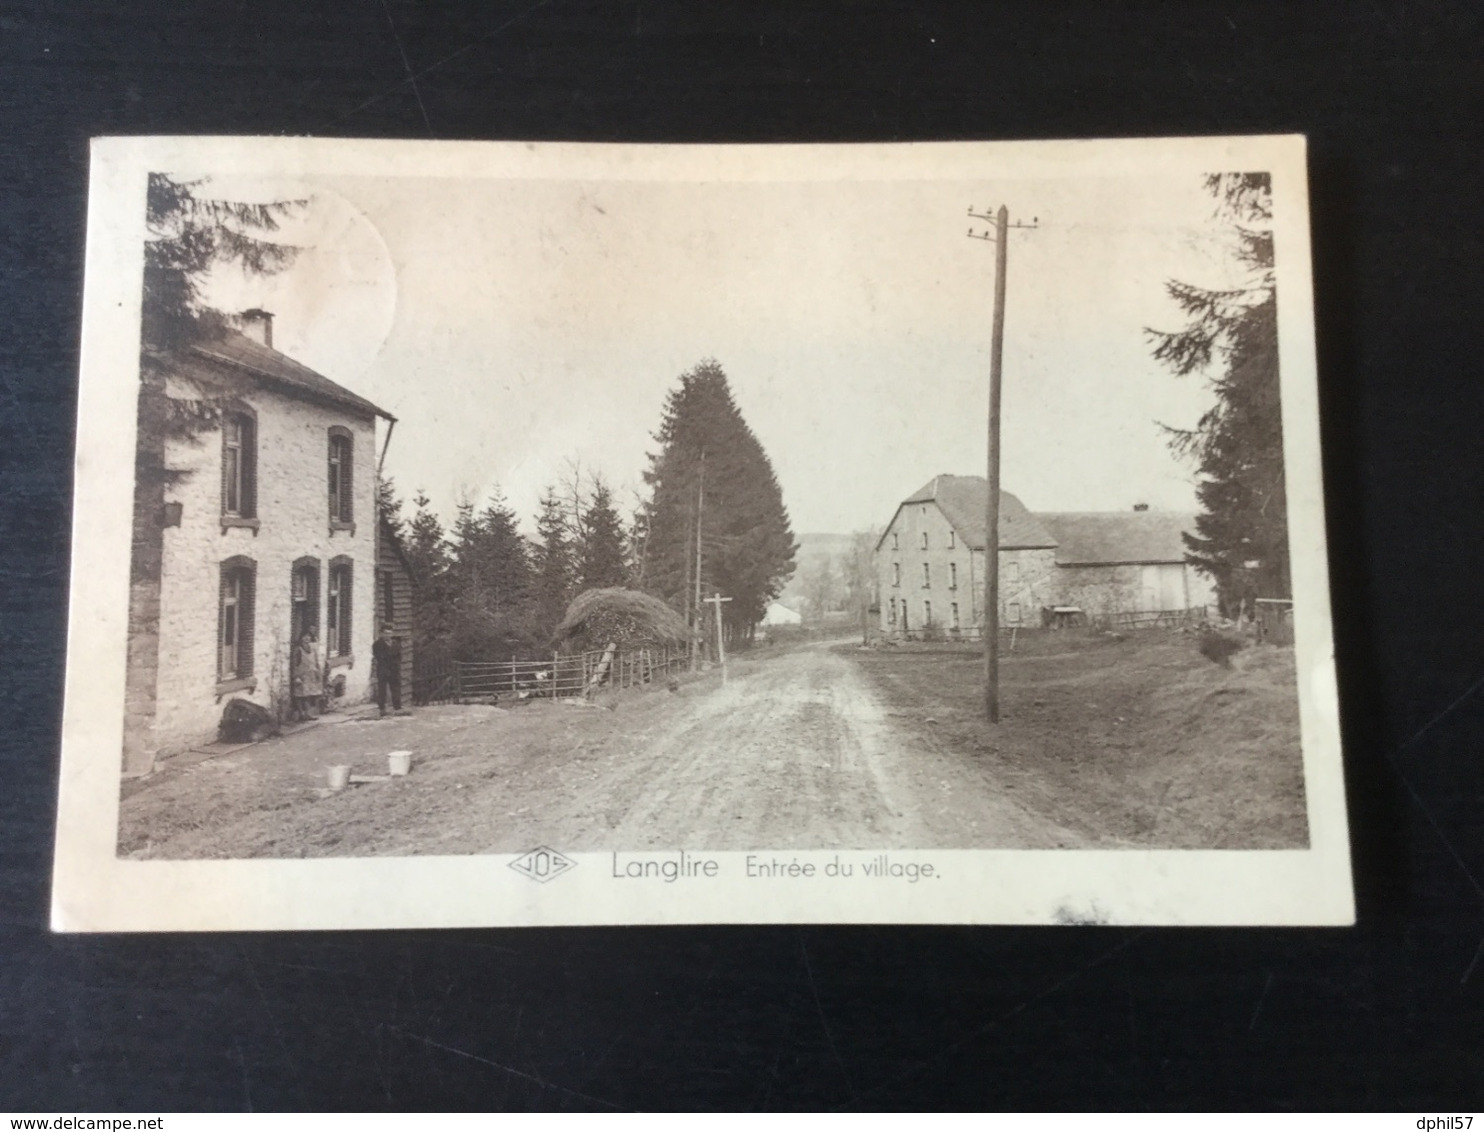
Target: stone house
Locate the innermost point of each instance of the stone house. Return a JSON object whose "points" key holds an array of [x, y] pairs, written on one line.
{"points": [[254, 526], [930, 560]]}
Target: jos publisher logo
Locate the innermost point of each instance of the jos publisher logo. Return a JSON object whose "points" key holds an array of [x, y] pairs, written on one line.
{"points": [[542, 864]]}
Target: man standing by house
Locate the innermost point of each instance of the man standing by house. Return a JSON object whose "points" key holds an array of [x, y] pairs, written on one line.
{"points": [[386, 659]]}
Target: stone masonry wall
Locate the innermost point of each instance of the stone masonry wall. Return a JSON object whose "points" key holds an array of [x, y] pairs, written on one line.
{"points": [[293, 515]]}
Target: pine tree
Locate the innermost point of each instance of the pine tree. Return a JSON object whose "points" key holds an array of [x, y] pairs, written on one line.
{"points": [[189, 233], [553, 570], [389, 507], [601, 554], [490, 584], [1231, 338], [429, 562], [713, 488]]}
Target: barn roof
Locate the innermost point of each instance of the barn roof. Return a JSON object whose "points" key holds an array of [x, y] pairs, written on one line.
{"points": [[1109, 538], [962, 499], [237, 350]]}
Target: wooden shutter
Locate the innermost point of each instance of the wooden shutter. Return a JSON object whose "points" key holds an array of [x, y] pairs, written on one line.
{"points": [[227, 423], [347, 480], [249, 467], [245, 621], [347, 594]]}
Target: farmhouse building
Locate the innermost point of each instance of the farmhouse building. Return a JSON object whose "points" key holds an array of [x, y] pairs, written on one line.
{"points": [[930, 561], [248, 529]]}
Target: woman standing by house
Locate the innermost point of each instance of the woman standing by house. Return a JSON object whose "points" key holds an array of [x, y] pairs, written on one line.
{"points": [[308, 682]]}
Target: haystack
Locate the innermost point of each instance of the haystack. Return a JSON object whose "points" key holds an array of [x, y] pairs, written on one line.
{"points": [[627, 618]]}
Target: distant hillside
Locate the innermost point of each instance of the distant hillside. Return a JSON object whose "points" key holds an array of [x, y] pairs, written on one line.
{"points": [[813, 548]]}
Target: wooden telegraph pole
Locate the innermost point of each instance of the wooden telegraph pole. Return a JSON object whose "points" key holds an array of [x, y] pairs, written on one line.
{"points": [[1000, 238], [721, 648], [695, 636]]}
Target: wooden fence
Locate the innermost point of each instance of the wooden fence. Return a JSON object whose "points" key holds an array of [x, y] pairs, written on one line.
{"points": [[574, 674]]}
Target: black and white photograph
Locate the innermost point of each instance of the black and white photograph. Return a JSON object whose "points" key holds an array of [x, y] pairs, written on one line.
{"points": [[611, 528]]}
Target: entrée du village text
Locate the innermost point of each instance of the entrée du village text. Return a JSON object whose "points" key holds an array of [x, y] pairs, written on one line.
{"points": [[686, 866]]}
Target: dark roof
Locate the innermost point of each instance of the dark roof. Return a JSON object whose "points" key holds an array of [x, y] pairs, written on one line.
{"points": [[1108, 538], [243, 353], [962, 500]]}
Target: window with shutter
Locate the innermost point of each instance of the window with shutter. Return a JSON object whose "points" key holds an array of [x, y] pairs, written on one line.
{"points": [[239, 468], [341, 478], [235, 622], [338, 613]]}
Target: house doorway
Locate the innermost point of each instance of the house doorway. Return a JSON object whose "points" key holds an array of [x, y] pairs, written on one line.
{"points": [[304, 608]]}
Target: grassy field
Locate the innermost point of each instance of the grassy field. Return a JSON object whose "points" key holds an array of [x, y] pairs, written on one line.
{"points": [[1135, 741]]}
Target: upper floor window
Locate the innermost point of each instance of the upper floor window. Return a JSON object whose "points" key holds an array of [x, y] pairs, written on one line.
{"points": [[1012, 571], [239, 466], [952, 538], [342, 482], [896, 573], [238, 581], [927, 576], [953, 614], [953, 575], [895, 545], [924, 540]]}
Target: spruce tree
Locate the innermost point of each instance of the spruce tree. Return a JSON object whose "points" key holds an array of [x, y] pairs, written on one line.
{"points": [[429, 562], [187, 233], [490, 583], [1231, 338], [552, 569], [713, 487], [601, 560]]}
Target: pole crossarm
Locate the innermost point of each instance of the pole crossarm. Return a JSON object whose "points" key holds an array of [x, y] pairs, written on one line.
{"points": [[991, 218]]}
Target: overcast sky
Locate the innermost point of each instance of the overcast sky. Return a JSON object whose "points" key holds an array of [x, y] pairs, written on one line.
{"points": [[513, 325]]}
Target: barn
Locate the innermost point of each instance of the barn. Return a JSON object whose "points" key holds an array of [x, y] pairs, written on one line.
{"points": [[1110, 562]]}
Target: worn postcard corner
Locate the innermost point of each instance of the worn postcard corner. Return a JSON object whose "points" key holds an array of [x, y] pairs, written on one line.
{"points": [[495, 534]]}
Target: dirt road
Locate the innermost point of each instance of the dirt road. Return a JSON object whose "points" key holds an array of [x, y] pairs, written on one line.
{"points": [[794, 751]]}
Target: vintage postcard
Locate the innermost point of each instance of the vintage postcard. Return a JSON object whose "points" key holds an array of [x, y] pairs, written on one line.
{"points": [[521, 534]]}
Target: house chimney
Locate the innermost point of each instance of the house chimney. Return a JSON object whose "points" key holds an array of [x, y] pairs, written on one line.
{"points": [[1141, 506], [257, 324]]}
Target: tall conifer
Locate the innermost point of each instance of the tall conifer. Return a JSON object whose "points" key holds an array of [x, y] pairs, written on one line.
{"points": [[1231, 337], [713, 485]]}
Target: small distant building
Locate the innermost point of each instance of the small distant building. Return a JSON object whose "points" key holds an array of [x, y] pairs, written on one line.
{"points": [[780, 614], [930, 561]]}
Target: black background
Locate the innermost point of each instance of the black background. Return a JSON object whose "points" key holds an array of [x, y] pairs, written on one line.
{"points": [[1387, 1014]]}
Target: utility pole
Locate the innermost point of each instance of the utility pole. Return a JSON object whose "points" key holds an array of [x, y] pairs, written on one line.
{"points": [[695, 644], [1001, 240], [721, 648]]}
